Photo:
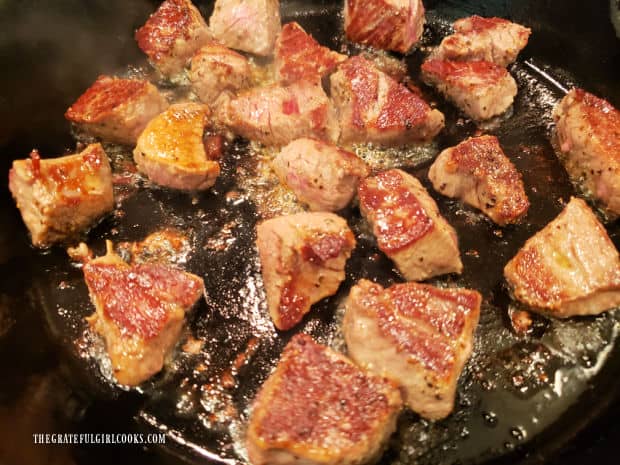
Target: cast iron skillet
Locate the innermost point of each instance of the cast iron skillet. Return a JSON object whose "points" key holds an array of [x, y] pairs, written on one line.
{"points": [[521, 399]]}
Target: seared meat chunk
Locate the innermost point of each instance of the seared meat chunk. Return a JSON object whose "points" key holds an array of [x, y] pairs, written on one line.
{"points": [[172, 35], [408, 226], [479, 173], [373, 107], [495, 40], [569, 268], [216, 69], [479, 89], [140, 311], [248, 25], [317, 407], [276, 115], [59, 197], [302, 259], [588, 132], [320, 174], [300, 56], [386, 24], [171, 151], [115, 109], [417, 335]]}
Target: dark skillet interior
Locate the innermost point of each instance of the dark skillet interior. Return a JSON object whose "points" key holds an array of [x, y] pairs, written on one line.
{"points": [[510, 408]]}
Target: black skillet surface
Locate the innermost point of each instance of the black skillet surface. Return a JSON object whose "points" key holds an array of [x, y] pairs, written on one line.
{"points": [[511, 408]]}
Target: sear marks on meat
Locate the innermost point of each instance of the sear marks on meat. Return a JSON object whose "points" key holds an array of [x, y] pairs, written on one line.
{"points": [[299, 56], [115, 109], [320, 174], [479, 89], [302, 260], [60, 197], [588, 133], [277, 115], [569, 268], [216, 69], [373, 107], [317, 407], [479, 173], [417, 335], [386, 24], [408, 226], [247, 25], [140, 311], [172, 35], [495, 40], [171, 150]]}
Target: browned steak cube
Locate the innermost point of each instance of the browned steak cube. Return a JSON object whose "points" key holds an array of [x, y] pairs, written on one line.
{"points": [[408, 226], [115, 109], [480, 89], [302, 261], [588, 132], [139, 312], [386, 24], [569, 268], [60, 197], [417, 335], [322, 175], [172, 35], [373, 107], [318, 408], [479, 173]]}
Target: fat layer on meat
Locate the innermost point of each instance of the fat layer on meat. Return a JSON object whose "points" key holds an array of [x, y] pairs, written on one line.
{"points": [[60, 197], [418, 335], [115, 109], [317, 407], [302, 261], [408, 226], [479, 173], [480, 89], [569, 268], [588, 133], [322, 175]]}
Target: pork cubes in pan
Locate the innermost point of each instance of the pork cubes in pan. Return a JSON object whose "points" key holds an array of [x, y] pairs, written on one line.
{"points": [[317, 407], [139, 312], [408, 226], [302, 261], [569, 268], [60, 197], [479, 173], [418, 335]]}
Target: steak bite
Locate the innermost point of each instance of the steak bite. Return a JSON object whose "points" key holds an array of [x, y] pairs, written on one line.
{"points": [[216, 69], [299, 56], [171, 150], [408, 226], [302, 260], [140, 311], [495, 40], [60, 197], [115, 109], [320, 174], [172, 35], [276, 115], [588, 133], [479, 89], [417, 335], [569, 268], [248, 25], [373, 107], [479, 173], [317, 407], [386, 24]]}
